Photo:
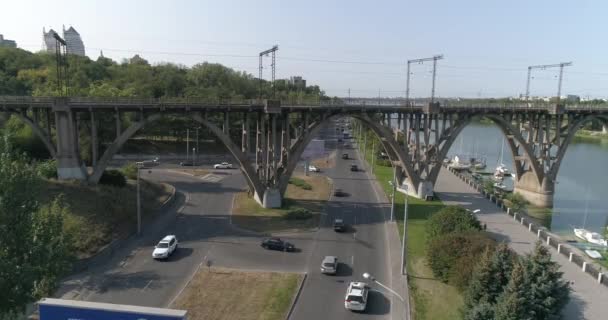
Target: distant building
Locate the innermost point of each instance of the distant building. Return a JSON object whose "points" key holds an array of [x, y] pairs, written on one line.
{"points": [[71, 37], [573, 98], [7, 43], [297, 82]]}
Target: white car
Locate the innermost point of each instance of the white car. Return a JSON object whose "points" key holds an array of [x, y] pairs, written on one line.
{"points": [[223, 165], [165, 247], [313, 169], [356, 296]]}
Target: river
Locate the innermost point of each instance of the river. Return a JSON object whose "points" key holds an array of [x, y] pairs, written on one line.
{"points": [[581, 195]]}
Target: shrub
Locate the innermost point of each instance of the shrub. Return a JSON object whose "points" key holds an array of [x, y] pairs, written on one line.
{"points": [[452, 256], [517, 202], [298, 214], [488, 186], [47, 169], [384, 162], [130, 170], [452, 219], [113, 178], [300, 183]]}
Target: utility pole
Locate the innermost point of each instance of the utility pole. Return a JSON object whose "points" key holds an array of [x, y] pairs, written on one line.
{"points": [[197, 149], [373, 154], [403, 248], [272, 65], [138, 203], [561, 66], [421, 61], [187, 144]]}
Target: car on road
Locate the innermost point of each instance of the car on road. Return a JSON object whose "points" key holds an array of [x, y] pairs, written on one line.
{"points": [[148, 163], [187, 163], [339, 225], [329, 265], [356, 296], [277, 244], [339, 193], [345, 156], [223, 165], [353, 167], [313, 169], [165, 248]]}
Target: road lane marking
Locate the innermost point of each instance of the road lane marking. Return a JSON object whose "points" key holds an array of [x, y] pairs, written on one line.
{"points": [[352, 261], [147, 285]]}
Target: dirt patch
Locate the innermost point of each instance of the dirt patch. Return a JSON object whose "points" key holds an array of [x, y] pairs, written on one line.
{"points": [[226, 294], [325, 162], [100, 214], [248, 214]]}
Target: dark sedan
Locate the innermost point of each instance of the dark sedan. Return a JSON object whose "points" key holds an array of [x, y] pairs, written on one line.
{"points": [[277, 244]]}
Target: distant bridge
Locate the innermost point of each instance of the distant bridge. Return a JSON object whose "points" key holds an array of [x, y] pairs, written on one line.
{"points": [[416, 136]]}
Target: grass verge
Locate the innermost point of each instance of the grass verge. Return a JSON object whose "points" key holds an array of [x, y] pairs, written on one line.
{"points": [[100, 214], [219, 294], [248, 214], [195, 172], [432, 299]]}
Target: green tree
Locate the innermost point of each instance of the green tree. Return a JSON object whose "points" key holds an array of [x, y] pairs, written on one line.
{"points": [[490, 277], [517, 202], [452, 219], [514, 303], [451, 256], [481, 311], [35, 251], [547, 292]]}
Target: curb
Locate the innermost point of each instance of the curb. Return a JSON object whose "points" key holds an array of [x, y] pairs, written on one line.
{"points": [[179, 293], [296, 297]]}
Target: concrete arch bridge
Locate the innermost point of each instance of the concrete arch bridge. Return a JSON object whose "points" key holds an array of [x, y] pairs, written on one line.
{"points": [[274, 134]]}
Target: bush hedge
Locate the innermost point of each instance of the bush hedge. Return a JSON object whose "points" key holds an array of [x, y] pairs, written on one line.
{"points": [[300, 183], [130, 170], [452, 219], [113, 178], [298, 214], [47, 169], [452, 257]]}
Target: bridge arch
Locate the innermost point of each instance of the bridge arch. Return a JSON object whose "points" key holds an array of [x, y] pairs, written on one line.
{"points": [[38, 131], [396, 154], [252, 180]]}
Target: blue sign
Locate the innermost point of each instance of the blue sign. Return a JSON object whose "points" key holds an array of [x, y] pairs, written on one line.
{"points": [[58, 312]]}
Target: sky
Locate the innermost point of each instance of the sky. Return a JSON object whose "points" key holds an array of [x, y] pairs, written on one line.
{"points": [[361, 46]]}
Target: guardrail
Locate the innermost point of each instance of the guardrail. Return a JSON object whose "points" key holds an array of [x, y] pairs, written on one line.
{"points": [[385, 104]]}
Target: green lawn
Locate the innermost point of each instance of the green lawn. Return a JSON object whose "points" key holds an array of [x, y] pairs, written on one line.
{"points": [[432, 299]]}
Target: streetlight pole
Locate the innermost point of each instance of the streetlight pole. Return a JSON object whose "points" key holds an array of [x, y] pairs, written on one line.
{"points": [[403, 249], [370, 277], [187, 144], [197, 149], [373, 154], [138, 203], [394, 184]]}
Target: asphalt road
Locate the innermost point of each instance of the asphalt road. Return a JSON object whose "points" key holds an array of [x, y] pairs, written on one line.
{"points": [[202, 225], [362, 248]]}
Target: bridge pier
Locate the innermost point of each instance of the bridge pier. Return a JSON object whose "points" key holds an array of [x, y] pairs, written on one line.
{"points": [[540, 195], [69, 164], [605, 129]]}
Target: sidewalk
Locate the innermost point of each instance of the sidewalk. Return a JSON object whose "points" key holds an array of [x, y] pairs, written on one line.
{"points": [[588, 299]]}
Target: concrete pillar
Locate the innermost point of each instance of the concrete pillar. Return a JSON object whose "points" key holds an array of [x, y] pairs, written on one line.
{"points": [[605, 129], [559, 248], [272, 198], [570, 257], [599, 277], [539, 194], [584, 266], [69, 164]]}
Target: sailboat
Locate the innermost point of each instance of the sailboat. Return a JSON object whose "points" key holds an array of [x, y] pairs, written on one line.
{"points": [[457, 162], [501, 169], [592, 237]]}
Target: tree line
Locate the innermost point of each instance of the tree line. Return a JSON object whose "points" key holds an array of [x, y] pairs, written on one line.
{"points": [[26, 73]]}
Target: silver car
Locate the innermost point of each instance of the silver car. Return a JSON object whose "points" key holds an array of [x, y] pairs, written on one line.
{"points": [[329, 265]]}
